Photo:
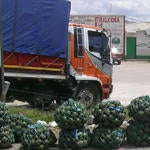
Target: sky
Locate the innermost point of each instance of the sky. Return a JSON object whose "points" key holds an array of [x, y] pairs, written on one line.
{"points": [[133, 10]]}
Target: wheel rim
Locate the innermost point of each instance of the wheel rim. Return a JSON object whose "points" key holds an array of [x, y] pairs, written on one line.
{"points": [[86, 97]]}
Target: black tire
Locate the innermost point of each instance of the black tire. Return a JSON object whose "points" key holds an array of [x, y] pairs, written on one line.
{"points": [[10, 98], [88, 94], [119, 62]]}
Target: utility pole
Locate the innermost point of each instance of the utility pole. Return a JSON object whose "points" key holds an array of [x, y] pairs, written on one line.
{"points": [[1, 57]]}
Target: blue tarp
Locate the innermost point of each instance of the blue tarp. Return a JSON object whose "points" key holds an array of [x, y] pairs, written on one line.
{"points": [[35, 26]]}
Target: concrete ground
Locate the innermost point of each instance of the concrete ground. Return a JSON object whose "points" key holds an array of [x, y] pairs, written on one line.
{"points": [[130, 79]]}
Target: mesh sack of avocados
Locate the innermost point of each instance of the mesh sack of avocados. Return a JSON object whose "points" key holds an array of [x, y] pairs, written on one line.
{"points": [[74, 139], [18, 124], [109, 114], [138, 134], [71, 115], [139, 108], [38, 137], [4, 114], [106, 138], [6, 137]]}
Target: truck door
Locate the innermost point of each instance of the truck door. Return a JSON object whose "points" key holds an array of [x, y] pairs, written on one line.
{"points": [[78, 57], [99, 51]]}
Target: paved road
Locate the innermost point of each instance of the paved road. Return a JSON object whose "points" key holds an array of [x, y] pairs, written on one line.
{"points": [[131, 79]]}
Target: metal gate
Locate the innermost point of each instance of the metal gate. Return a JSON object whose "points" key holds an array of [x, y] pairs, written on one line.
{"points": [[131, 48]]}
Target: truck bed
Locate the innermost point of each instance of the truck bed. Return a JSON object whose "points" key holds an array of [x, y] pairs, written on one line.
{"points": [[30, 63]]}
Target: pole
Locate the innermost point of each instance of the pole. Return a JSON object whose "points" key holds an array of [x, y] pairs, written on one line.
{"points": [[1, 56]]}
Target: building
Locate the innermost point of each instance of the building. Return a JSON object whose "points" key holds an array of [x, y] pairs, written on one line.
{"points": [[137, 41], [113, 23], [131, 39]]}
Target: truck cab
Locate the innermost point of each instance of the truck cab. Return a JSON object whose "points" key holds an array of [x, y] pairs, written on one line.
{"points": [[90, 63]]}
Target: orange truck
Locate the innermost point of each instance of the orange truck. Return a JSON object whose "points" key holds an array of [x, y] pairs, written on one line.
{"points": [[48, 60]]}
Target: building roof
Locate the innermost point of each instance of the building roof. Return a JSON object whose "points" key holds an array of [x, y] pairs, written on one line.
{"points": [[133, 27]]}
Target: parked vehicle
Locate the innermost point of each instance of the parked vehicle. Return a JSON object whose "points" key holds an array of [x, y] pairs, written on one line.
{"points": [[116, 56], [46, 60]]}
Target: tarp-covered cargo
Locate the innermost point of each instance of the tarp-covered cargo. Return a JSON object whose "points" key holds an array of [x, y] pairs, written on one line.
{"points": [[35, 26]]}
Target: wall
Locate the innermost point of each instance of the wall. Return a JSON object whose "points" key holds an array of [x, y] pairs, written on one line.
{"points": [[142, 45]]}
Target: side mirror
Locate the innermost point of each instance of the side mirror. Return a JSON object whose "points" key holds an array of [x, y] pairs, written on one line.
{"points": [[116, 61]]}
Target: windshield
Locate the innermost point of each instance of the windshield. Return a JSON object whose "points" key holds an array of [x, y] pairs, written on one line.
{"points": [[98, 45]]}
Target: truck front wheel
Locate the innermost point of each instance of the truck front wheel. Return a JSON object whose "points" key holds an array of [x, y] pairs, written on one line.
{"points": [[88, 94]]}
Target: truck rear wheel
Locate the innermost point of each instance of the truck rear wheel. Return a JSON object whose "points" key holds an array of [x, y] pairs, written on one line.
{"points": [[88, 94]]}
